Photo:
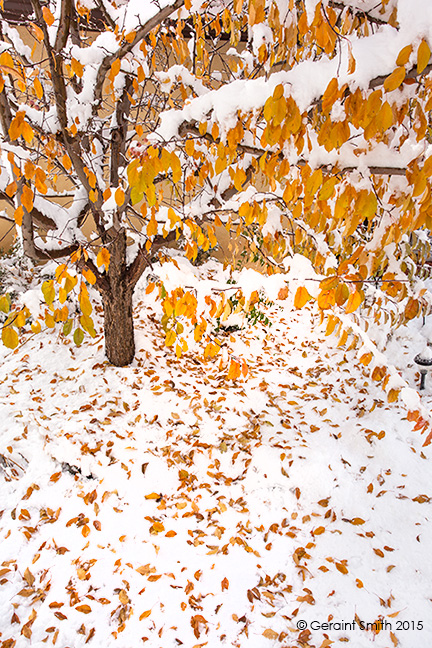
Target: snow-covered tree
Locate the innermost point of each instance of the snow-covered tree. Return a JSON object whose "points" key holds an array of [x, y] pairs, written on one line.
{"points": [[302, 126]]}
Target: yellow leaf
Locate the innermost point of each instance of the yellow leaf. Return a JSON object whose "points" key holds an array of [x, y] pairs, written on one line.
{"points": [[395, 79], [393, 395], [329, 282], [48, 17], [103, 258], [119, 197], [10, 337], [351, 62], [328, 189], [190, 147], [170, 338], [48, 291], [36, 327], [5, 303], [88, 325], [404, 54], [85, 305], [89, 276], [330, 95], [301, 297], [20, 319], [354, 301], [423, 56]]}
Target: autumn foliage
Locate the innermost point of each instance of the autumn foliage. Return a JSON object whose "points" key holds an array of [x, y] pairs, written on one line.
{"points": [[284, 123]]}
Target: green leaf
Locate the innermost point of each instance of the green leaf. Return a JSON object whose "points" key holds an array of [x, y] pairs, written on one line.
{"points": [[67, 328], [78, 336]]}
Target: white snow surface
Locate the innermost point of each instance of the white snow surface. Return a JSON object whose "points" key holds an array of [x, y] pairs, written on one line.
{"points": [[204, 512]]}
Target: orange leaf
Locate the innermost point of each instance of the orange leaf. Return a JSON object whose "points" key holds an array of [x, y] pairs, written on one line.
{"points": [[354, 301], [38, 88], [85, 609], [342, 568], [234, 370], [301, 297], [18, 215], [119, 197], [151, 496], [326, 299], [103, 258], [48, 17]]}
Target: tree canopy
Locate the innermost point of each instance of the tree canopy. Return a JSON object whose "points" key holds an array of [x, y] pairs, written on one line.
{"points": [[302, 127]]}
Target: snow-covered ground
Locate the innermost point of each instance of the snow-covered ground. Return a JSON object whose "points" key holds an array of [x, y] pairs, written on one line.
{"points": [[162, 505]]}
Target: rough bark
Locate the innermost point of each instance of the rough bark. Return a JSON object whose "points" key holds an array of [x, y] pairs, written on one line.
{"points": [[117, 303]]}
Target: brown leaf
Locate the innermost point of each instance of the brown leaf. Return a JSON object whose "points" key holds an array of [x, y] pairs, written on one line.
{"points": [[28, 577], [342, 568], [85, 609], [145, 570]]}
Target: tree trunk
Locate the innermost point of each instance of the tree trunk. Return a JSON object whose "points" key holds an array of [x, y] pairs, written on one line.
{"points": [[117, 302]]}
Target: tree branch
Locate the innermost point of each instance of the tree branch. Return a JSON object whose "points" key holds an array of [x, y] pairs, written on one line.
{"points": [[188, 127], [411, 74], [128, 47], [64, 25]]}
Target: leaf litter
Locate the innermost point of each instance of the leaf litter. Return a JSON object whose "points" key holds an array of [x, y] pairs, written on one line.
{"points": [[165, 505]]}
